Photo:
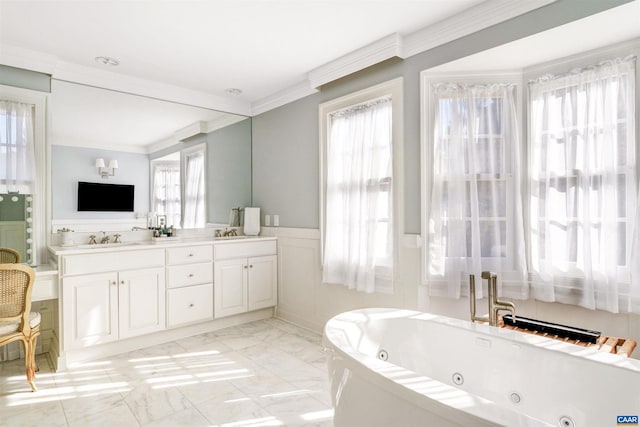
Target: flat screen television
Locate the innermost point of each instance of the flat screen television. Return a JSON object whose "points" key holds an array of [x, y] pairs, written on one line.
{"points": [[97, 197]]}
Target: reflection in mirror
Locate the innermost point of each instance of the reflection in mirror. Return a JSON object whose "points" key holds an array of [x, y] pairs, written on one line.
{"points": [[16, 229], [139, 132], [193, 189], [165, 184]]}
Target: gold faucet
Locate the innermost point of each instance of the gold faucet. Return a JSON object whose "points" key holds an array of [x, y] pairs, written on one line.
{"points": [[495, 305]]}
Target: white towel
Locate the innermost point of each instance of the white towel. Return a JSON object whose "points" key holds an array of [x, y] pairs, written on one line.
{"points": [[251, 221]]}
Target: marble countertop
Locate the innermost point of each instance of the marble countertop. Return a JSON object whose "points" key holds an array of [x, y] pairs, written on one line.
{"points": [[145, 244]]}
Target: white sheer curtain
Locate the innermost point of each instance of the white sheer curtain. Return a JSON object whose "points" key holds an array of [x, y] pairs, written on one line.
{"points": [[583, 187], [194, 208], [17, 159], [475, 219], [358, 245], [166, 191]]}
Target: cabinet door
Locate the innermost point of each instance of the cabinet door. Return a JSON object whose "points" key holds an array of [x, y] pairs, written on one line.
{"points": [[230, 287], [263, 282], [90, 313], [142, 307]]}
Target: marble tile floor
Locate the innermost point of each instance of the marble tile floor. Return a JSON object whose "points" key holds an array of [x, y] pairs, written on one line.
{"points": [[264, 373]]}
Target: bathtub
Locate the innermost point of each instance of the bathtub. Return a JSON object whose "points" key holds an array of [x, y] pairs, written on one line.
{"points": [[400, 368]]}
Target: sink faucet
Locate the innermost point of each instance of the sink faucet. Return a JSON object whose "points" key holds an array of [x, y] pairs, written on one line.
{"points": [[230, 232], [105, 238], [495, 305]]}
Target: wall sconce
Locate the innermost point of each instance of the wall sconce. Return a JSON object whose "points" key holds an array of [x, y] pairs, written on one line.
{"points": [[113, 165]]}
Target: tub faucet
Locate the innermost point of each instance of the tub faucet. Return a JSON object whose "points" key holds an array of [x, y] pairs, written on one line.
{"points": [[495, 305], [105, 238]]}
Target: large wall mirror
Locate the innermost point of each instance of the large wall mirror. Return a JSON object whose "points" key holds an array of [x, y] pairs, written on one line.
{"points": [[153, 143]]}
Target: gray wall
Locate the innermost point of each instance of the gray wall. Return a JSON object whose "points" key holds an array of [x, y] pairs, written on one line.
{"points": [[26, 79], [72, 164], [228, 170], [285, 140]]}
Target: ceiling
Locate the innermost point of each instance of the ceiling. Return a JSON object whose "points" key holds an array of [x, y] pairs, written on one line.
{"points": [[192, 51], [204, 47]]}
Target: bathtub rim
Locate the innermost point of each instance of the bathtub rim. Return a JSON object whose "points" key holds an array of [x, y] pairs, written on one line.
{"points": [[483, 411]]}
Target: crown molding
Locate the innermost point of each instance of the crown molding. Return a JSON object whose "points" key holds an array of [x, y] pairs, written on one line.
{"points": [[223, 121], [161, 145], [467, 22], [371, 54], [292, 93]]}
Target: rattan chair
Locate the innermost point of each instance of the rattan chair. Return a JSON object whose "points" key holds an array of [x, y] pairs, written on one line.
{"points": [[17, 322], [9, 256]]}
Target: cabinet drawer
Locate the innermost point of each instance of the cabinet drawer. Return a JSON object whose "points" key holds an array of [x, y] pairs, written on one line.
{"points": [[189, 254], [190, 304], [45, 288], [189, 274], [112, 261], [245, 249]]}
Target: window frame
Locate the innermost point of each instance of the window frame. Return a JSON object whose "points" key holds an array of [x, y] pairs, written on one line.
{"points": [[393, 88]]}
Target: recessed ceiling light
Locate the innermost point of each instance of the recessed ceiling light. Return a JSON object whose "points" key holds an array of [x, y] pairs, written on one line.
{"points": [[233, 91], [105, 60]]}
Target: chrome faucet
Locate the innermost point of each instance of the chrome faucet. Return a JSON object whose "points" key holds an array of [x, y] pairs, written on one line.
{"points": [[495, 305], [105, 238], [116, 238]]}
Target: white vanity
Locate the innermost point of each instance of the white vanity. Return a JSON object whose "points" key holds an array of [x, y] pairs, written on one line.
{"points": [[117, 298]]}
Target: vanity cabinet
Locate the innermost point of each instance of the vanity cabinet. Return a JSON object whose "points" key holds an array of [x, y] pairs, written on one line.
{"points": [[245, 277], [115, 303], [190, 285]]}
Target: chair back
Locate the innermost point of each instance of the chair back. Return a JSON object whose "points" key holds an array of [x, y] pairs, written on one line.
{"points": [[16, 285], [9, 256]]}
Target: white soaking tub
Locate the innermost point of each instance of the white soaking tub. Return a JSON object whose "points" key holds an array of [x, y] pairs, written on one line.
{"points": [[401, 368]]}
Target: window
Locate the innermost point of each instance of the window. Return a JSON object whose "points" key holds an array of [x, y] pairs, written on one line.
{"points": [[166, 190], [475, 220], [583, 187], [193, 161], [580, 194], [360, 140], [23, 170]]}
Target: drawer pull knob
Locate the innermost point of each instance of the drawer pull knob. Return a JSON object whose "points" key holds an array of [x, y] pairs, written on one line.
{"points": [[245, 266], [190, 254], [191, 305], [191, 275], [114, 283], [122, 282], [251, 266]]}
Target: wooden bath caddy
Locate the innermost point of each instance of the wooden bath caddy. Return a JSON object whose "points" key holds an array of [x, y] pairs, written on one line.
{"points": [[621, 346]]}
